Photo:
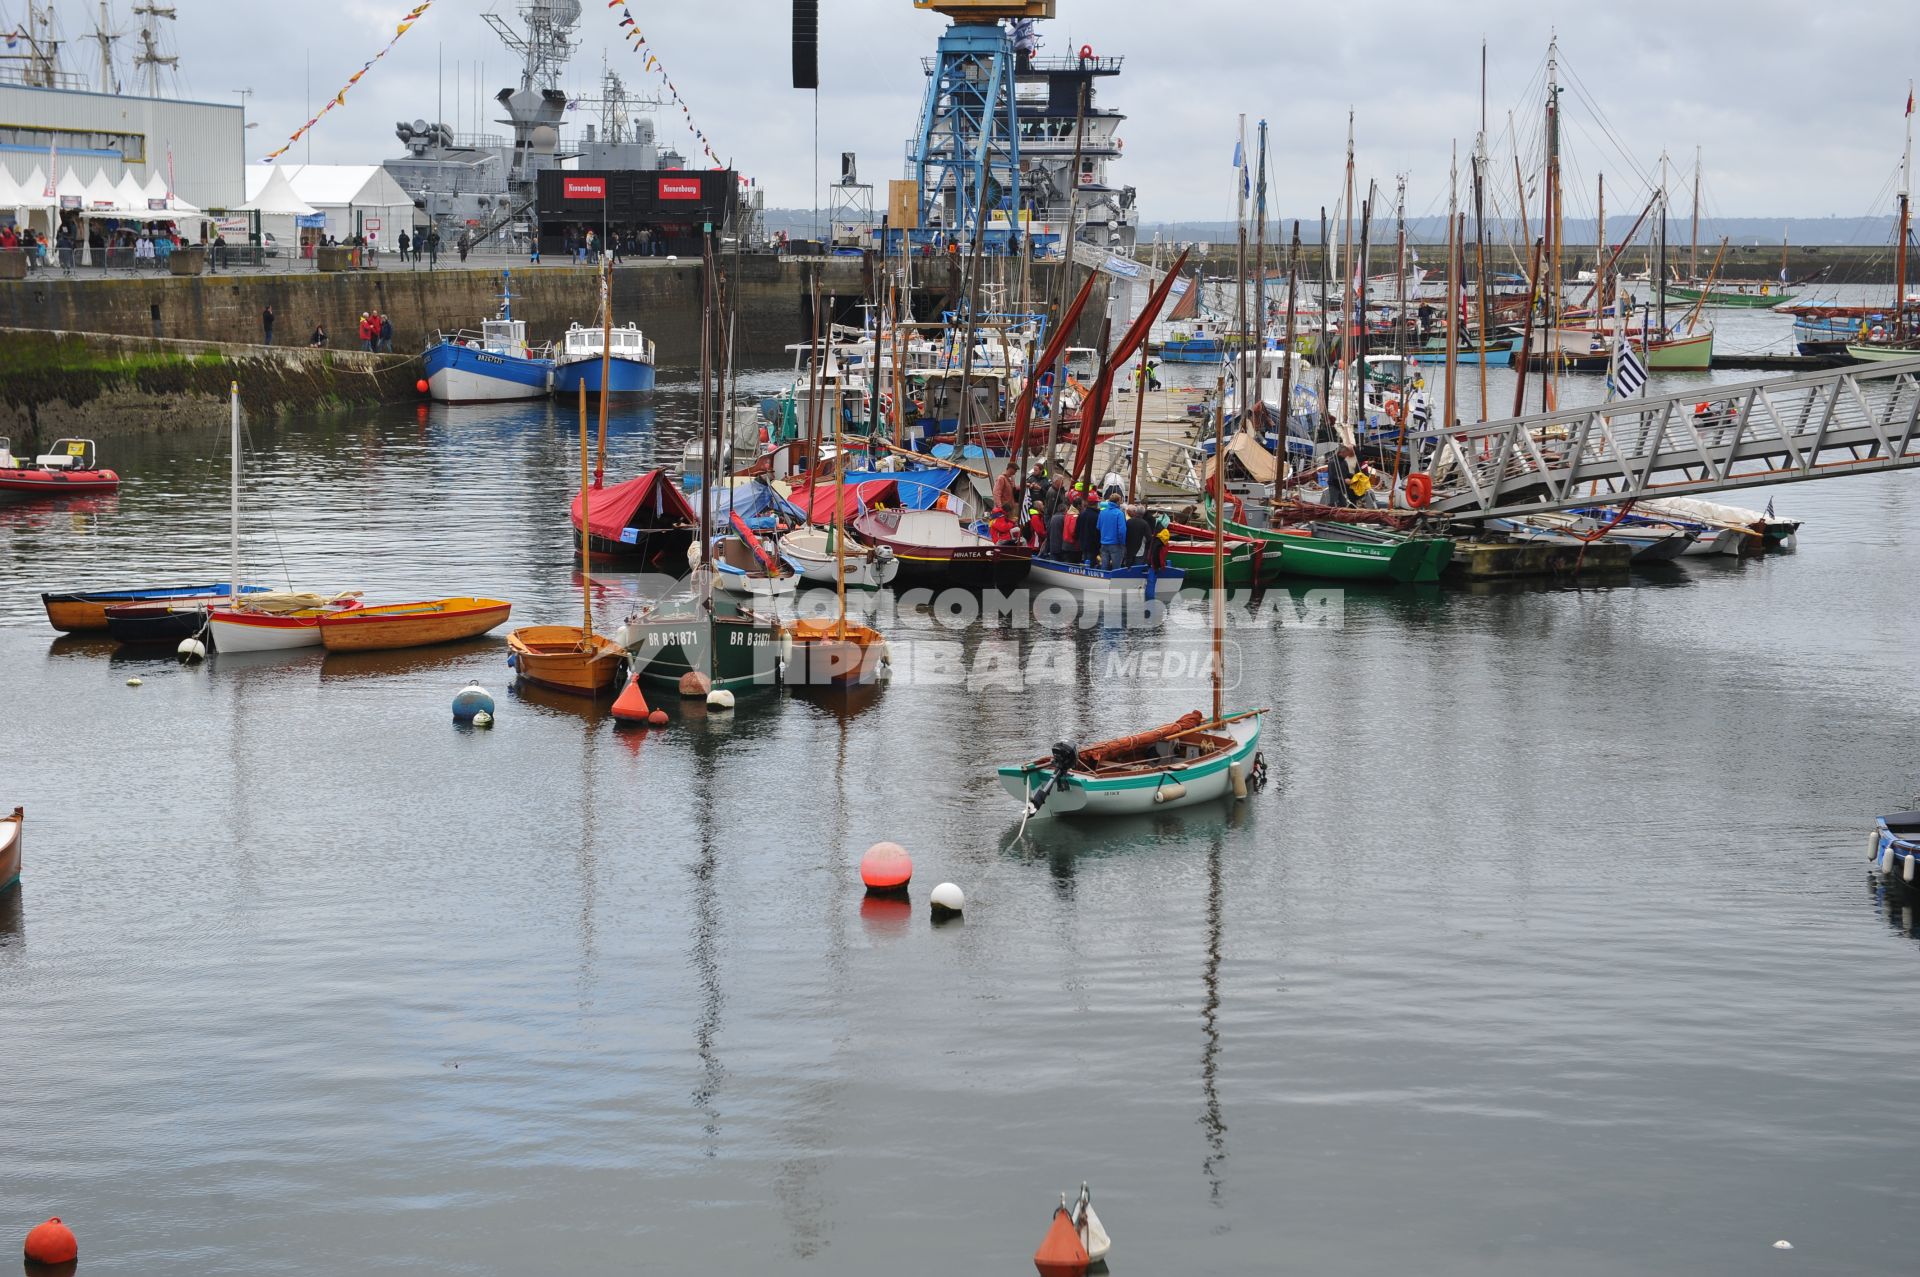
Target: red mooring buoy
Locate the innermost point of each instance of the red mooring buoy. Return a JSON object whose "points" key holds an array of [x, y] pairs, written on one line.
{"points": [[694, 683], [421, 385], [52, 1243], [886, 867], [1060, 1253], [631, 705]]}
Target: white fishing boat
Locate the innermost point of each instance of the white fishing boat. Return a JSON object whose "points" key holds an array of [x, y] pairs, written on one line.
{"points": [[811, 550], [1190, 761], [745, 569]]}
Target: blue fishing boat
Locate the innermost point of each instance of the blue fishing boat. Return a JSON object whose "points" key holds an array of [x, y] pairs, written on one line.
{"points": [[1498, 354], [1896, 844], [1131, 582], [494, 365], [1192, 350], [629, 369]]}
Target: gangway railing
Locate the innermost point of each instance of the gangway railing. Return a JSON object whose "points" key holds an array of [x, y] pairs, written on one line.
{"points": [[1815, 425]]}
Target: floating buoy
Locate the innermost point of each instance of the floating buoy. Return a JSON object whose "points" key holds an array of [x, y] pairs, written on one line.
{"points": [[694, 683], [470, 700], [1061, 1253], [1783, 1244], [483, 719], [948, 902], [657, 719], [719, 698], [52, 1243], [192, 649], [133, 682], [631, 705], [421, 385], [886, 867]]}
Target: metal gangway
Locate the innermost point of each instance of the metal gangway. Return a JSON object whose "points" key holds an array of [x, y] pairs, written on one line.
{"points": [[1815, 425]]}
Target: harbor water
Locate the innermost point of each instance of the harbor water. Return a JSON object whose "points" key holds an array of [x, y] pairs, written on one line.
{"points": [[1551, 946]]}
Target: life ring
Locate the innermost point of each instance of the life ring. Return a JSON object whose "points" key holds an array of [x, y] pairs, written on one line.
{"points": [[1086, 52], [1419, 490]]}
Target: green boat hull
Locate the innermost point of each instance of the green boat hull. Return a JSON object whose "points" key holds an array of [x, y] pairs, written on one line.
{"points": [[1405, 559], [1728, 301], [1881, 354], [736, 652], [1238, 568]]}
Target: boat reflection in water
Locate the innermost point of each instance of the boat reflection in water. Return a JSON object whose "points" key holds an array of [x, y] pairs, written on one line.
{"points": [[464, 658], [13, 919]]}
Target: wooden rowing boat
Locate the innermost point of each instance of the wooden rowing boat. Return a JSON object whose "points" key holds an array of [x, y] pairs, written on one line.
{"points": [[566, 658], [834, 653], [76, 613], [1179, 765], [398, 625], [12, 835]]}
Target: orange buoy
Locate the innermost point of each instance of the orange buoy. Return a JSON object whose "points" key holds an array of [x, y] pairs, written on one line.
{"points": [[1061, 1253], [631, 705], [1419, 489], [52, 1243], [886, 867], [694, 683], [657, 719], [421, 385]]}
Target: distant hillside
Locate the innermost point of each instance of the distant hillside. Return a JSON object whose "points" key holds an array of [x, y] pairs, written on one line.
{"points": [[1825, 231]]}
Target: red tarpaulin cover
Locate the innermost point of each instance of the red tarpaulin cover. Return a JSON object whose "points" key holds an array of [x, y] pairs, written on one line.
{"points": [[859, 498], [651, 501]]}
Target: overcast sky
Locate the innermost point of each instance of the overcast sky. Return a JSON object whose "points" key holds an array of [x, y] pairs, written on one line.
{"points": [[1797, 105]]}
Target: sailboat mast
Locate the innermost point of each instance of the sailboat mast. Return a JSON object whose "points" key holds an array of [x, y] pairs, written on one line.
{"points": [[1480, 233], [606, 363], [1240, 273], [1286, 345], [1552, 365], [1346, 294], [1260, 269], [1660, 278], [1600, 243], [233, 535], [1906, 214], [1453, 288], [586, 522], [1219, 545], [1693, 250], [1400, 343]]}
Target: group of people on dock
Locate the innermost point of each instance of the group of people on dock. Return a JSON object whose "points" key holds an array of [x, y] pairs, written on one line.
{"points": [[1072, 524]]}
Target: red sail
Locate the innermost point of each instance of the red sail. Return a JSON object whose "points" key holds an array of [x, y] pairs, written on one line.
{"points": [[1062, 334], [1094, 410]]}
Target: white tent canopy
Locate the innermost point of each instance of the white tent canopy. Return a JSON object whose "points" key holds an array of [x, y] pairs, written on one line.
{"points": [[275, 197], [70, 186], [157, 190], [102, 196], [130, 195], [10, 192], [355, 198], [33, 192]]}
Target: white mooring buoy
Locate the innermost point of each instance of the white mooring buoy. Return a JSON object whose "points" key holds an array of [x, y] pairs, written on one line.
{"points": [[483, 719], [719, 698], [191, 650], [948, 901], [133, 682], [1783, 1244]]}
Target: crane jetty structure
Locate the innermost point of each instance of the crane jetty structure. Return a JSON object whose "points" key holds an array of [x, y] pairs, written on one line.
{"points": [[1012, 143]]}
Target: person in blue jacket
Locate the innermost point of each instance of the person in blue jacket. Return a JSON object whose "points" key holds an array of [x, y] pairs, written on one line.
{"points": [[1113, 533]]}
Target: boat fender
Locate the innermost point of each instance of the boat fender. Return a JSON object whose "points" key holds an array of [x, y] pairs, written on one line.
{"points": [[1886, 852], [1239, 774], [786, 647], [1168, 790], [1419, 490], [1906, 871]]}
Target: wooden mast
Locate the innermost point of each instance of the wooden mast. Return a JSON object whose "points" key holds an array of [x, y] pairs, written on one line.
{"points": [[1219, 543], [606, 362], [1240, 275], [586, 523], [1906, 214], [1693, 250], [1480, 233], [1454, 291]]}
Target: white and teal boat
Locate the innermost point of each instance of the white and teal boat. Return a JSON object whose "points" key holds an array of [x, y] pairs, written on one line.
{"points": [[1182, 764]]}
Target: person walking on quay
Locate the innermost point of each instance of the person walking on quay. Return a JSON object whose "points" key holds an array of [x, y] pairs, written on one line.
{"points": [[386, 333], [219, 253], [405, 242], [367, 331], [1113, 532], [464, 244], [433, 247], [533, 247], [266, 326], [63, 241]]}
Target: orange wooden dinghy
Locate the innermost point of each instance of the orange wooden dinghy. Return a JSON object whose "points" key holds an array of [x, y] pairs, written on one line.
{"points": [[401, 625], [834, 653], [566, 658]]}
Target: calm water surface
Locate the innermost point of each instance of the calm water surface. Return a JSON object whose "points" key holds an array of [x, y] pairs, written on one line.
{"points": [[1551, 948]]}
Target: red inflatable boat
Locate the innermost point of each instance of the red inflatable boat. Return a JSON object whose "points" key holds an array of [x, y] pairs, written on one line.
{"points": [[70, 470]]}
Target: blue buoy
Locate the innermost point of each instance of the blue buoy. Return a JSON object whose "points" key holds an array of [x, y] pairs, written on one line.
{"points": [[470, 700]]}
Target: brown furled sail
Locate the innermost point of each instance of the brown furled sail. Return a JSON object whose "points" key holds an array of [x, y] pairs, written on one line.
{"points": [[1094, 408]]}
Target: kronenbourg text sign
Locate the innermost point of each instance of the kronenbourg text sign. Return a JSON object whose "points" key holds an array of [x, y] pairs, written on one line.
{"points": [[679, 188], [583, 188]]}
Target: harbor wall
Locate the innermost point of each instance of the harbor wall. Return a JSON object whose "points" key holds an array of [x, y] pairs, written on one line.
{"points": [[663, 297], [102, 385]]}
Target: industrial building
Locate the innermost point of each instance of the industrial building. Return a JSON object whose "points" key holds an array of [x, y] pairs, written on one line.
{"points": [[57, 131]]}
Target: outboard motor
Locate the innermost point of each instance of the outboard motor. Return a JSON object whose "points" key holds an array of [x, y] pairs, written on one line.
{"points": [[1066, 757]]}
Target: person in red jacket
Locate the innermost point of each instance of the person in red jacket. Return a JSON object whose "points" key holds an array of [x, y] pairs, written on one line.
{"points": [[1036, 528], [1003, 530]]}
